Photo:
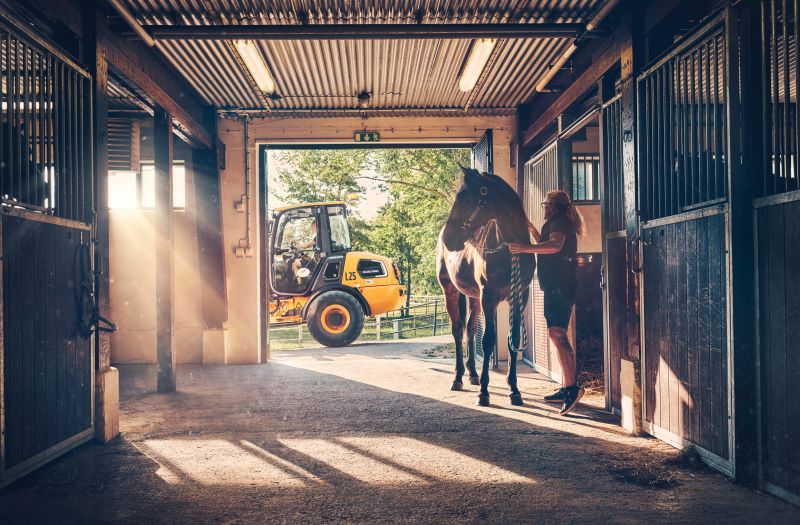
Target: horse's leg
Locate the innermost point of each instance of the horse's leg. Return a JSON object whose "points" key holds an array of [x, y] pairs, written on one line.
{"points": [[515, 396], [472, 328], [456, 308], [489, 305]]}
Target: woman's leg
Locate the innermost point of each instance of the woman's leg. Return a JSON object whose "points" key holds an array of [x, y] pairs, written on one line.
{"points": [[566, 355]]}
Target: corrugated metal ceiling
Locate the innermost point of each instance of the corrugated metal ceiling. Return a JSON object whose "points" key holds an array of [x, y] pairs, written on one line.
{"points": [[400, 74]]}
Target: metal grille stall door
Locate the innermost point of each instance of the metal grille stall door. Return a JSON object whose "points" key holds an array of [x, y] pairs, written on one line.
{"points": [[682, 130], [777, 215], [682, 178], [483, 154], [613, 187], [45, 133], [612, 200], [47, 382], [543, 173]]}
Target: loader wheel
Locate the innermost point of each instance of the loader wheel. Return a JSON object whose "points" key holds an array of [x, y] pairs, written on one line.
{"points": [[335, 319]]}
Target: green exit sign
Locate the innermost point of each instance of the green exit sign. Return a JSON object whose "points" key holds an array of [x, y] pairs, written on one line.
{"points": [[367, 136]]}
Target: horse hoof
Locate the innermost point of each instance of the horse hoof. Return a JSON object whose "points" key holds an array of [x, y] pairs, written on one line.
{"points": [[457, 386], [483, 400], [516, 399], [474, 380]]}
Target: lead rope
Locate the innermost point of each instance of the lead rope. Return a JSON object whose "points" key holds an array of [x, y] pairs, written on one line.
{"points": [[515, 298], [516, 306]]}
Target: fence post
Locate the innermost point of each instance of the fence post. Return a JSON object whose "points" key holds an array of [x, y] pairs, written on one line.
{"points": [[396, 327], [378, 328], [435, 314], [300, 334]]}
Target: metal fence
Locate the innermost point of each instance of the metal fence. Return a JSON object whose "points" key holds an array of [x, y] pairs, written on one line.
{"points": [[425, 316]]}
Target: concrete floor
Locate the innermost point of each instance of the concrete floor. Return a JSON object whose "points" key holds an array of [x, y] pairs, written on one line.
{"points": [[367, 434]]}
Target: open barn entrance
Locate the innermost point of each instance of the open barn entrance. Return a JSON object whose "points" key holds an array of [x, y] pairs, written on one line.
{"points": [[405, 190]]}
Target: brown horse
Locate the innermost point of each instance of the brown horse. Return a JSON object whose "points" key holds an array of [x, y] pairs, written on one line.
{"points": [[472, 262]]}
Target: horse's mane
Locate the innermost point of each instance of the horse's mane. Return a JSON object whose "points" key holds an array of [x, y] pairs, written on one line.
{"points": [[505, 192]]}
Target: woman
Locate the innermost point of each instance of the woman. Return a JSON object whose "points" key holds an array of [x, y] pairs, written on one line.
{"points": [[556, 246]]}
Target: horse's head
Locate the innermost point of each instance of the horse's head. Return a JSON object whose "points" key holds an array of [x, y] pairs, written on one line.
{"points": [[471, 209]]}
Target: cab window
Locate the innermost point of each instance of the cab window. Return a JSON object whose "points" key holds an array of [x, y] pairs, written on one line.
{"points": [[340, 232], [298, 232]]}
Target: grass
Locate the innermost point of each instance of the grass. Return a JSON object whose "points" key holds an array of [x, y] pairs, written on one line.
{"points": [[288, 338]]}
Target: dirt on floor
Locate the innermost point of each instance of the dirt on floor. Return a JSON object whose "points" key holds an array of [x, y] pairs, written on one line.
{"points": [[370, 434]]}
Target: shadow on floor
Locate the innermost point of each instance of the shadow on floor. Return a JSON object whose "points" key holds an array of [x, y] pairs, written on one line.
{"points": [[362, 438]]}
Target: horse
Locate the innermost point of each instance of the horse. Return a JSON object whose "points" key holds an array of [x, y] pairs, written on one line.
{"points": [[473, 263]]}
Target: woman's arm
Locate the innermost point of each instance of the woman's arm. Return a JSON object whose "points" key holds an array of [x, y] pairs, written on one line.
{"points": [[553, 245], [536, 235]]}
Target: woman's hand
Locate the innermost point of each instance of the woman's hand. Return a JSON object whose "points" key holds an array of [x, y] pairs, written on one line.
{"points": [[518, 247], [536, 235]]}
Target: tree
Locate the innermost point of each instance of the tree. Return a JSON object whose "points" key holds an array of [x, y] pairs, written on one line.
{"points": [[410, 222], [320, 175]]}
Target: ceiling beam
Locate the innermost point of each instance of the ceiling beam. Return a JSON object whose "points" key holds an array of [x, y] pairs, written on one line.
{"points": [[364, 31], [144, 68], [602, 62]]}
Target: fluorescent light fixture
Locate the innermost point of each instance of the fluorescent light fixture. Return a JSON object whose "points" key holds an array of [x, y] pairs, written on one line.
{"points": [[479, 54], [254, 62]]}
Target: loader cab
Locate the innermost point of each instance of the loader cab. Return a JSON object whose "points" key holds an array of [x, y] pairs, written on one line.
{"points": [[303, 238]]}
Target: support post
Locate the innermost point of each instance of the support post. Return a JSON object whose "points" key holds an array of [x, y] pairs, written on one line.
{"points": [[378, 328], [632, 401], [744, 84], [564, 152], [165, 322], [210, 245], [106, 387]]}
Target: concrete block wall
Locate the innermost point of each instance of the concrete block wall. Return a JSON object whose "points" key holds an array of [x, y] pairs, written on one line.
{"points": [[132, 255]]}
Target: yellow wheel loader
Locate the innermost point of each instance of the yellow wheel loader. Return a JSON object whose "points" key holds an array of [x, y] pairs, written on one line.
{"points": [[316, 278]]}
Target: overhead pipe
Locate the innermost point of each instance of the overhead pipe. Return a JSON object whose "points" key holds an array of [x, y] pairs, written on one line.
{"points": [[312, 112], [126, 15], [541, 86], [365, 31]]}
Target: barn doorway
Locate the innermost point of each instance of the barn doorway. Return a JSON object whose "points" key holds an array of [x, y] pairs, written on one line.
{"points": [[374, 197]]}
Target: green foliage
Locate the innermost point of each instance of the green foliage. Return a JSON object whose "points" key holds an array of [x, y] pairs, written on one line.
{"points": [[420, 182], [321, 175], [408, 226]]}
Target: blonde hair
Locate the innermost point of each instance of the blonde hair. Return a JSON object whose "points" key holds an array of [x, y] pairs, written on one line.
{"points": [[564, 204]]}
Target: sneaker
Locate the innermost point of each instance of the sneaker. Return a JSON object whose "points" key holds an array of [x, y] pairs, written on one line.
{"points": [[555, 397], [572, 394]]}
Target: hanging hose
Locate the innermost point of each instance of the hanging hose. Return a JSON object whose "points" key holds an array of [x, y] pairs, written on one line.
{"points": [[89, 318]]}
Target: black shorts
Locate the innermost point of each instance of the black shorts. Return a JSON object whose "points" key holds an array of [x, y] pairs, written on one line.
{"points": [[558, 303]]}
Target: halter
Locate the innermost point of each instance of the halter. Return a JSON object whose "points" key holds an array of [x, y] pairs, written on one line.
{"points": [[482, 202]]}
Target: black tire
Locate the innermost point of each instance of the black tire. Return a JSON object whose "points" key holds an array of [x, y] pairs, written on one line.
{"points": [[333, 311]]}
